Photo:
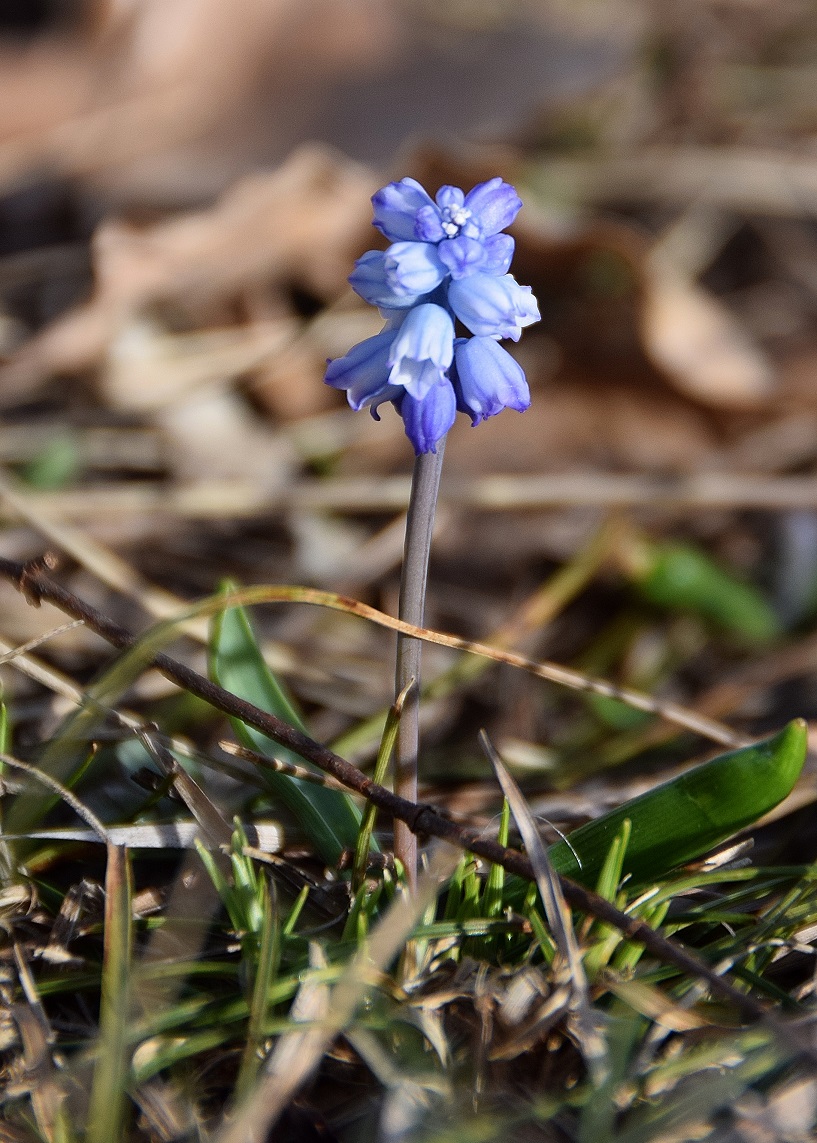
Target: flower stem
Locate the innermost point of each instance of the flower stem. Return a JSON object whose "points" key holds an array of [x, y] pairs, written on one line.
{"points": [[425, 483]]}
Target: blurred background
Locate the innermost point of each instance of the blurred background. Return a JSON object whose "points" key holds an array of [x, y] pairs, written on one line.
{"points": [[183, 189]]}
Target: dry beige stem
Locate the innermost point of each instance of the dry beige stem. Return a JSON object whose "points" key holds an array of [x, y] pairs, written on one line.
{"points": [[741, 179]]}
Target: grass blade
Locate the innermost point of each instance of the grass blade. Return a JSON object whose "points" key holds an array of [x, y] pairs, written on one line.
{"points": [[109, 1087], [556, 910], [265, 969], [677, 576], [298, 1053], [364, 842], [586, 1024]]}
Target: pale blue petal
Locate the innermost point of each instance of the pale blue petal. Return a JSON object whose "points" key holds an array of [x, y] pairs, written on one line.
{"points": [[415, 377], [449, 198], [494, 205], [428, 225], [413, 268], [493, 307], [370, 280], [462, 256], [427, 334], [498, 254], [363, 371], [487, 379], [428, 420], [396, 207], [387, 393]]}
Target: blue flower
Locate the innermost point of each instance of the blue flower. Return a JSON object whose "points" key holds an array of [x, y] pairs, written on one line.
{"points": [[428, 421], [422, 351], [458, 236], [493, 307], [364, 372], [369, 280], [487, 379], [396, 207], [403, 211], [409, 357], [397, 278], [448, 260]]}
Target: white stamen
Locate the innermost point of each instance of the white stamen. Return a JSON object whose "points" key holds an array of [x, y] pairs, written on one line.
{"points": [[455, 217]]}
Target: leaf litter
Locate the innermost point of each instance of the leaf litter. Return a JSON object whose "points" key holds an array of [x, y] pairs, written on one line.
{"points": [[169, 293]]}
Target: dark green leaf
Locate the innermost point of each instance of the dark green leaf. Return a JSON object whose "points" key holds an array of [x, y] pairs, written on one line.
{"points": [[329, 818], [682, 819]]}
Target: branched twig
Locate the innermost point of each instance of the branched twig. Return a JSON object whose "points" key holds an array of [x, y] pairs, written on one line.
{"points": [[421, 818]]}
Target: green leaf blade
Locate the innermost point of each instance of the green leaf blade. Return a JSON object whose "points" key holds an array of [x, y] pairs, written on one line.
{"points": [[681, 576], [329, 818], [107, 1111], [687, 816]]}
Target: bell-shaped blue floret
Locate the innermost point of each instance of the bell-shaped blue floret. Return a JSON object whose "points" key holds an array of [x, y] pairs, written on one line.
{"points": [[370, 279], [494, 205], [396, 207], [487, 379], [493, 307], [413, 268], [428, 420], [364, 371], [422, 350], [463, 256], [498, 254], [398, 277]]}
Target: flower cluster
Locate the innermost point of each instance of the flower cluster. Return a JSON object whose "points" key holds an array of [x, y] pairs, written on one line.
{"points": [[448, 260]]}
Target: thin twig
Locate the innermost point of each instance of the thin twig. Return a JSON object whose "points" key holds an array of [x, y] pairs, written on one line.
{"points": [[278, 766], [751, 180], [37, 641]]}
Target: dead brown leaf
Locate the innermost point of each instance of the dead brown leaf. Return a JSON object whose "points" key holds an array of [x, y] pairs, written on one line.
{"points": [[297, 225], [142, 82], [700, 347], [619, 307]]}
